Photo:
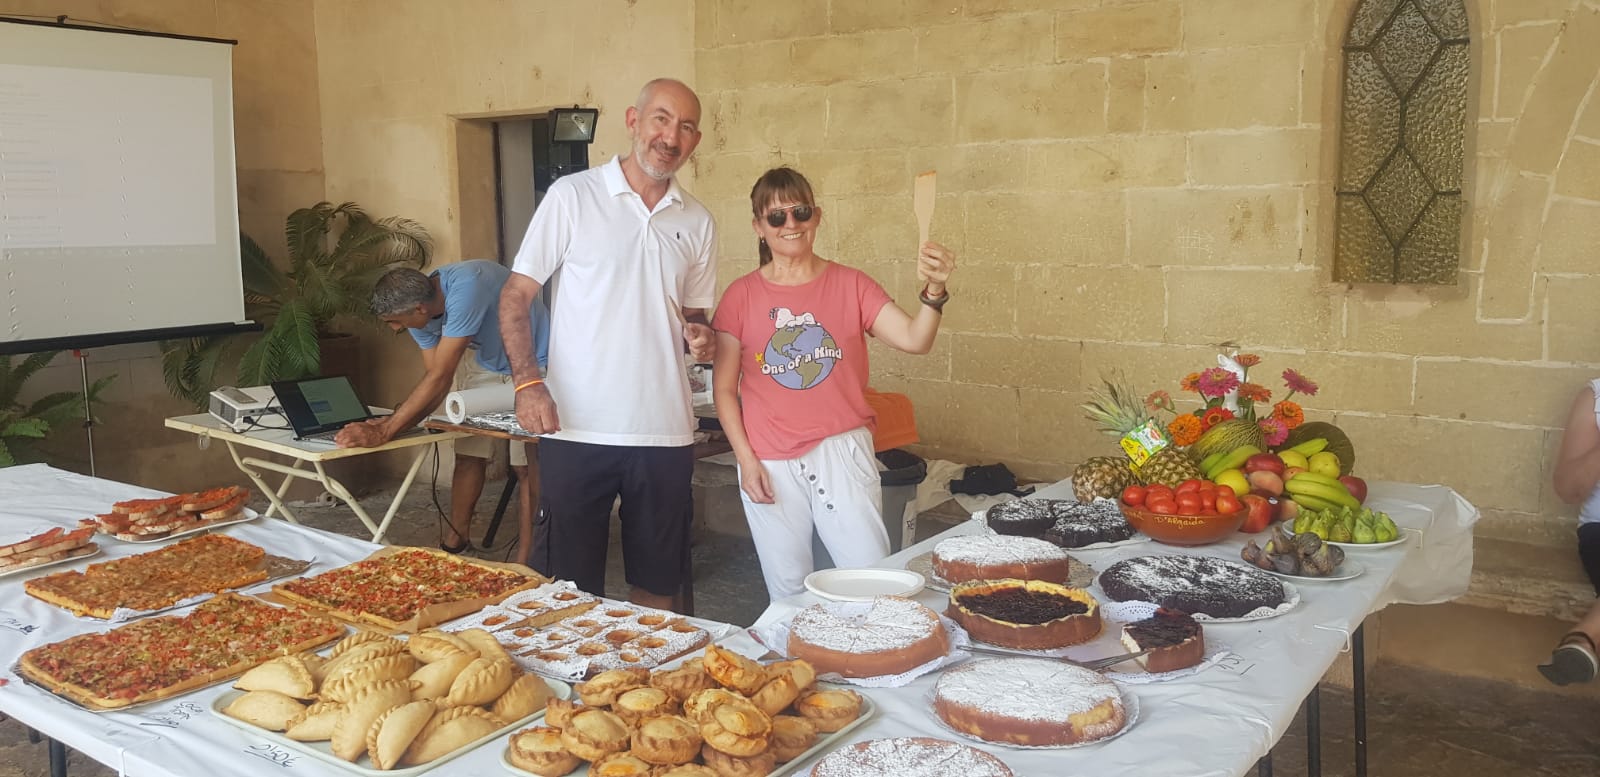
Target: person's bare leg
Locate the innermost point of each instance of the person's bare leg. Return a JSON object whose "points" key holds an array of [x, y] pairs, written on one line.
{"points": [[527, 490], [1591, 623], [466, 485], [644, 598]]}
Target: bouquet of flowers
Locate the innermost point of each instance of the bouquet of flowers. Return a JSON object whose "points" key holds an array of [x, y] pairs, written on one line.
{"points": [[1226, 392]]}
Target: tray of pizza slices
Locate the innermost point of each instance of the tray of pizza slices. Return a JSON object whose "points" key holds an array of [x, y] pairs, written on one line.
{"points": [[172, 576], [399, 590], [377, 704], [154, 659], [153, 520]]}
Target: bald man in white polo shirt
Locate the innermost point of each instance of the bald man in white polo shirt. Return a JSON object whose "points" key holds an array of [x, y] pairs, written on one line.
{"points": [[638, 272]]}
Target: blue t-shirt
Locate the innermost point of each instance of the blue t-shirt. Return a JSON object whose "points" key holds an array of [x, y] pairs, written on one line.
{"points": [[472, 310]]}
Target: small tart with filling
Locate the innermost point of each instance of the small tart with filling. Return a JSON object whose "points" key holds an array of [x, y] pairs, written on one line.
{"points": [[699, 706], [593, 734], [558, 712], [1025, 614], [644, 702], [726, 765], [604, 688], [621, 765], [539, 750], [685, 681], [791, 736], [667, 740], [829, 710], [737, 729], [526, 696], [734, 671], [804, 674], [689, 770], [777, 694]]}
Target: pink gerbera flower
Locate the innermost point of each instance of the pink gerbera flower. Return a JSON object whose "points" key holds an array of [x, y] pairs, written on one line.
{"points": [[1159, 400], [1275, 429], [1298, 384], [1217, 382]]}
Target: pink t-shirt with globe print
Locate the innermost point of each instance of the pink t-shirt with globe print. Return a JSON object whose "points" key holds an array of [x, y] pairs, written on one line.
{"points": [[803, 352]]}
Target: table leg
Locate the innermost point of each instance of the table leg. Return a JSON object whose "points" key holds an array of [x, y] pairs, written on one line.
{"points": [[58, 758], [273, 496], [337, 489], [1314, 732], [500, 509], [1264, 766], [400, 495], [1358, 671], [33, 736]]}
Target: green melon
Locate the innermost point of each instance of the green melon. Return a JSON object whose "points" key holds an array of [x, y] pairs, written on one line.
{"points": [[1226, 436]]}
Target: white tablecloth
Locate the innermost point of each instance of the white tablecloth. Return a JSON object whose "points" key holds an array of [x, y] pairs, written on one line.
{"points": [[1219, 722]]}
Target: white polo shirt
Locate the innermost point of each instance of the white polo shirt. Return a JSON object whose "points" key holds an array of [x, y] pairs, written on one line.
{"points": [[616, 368]]}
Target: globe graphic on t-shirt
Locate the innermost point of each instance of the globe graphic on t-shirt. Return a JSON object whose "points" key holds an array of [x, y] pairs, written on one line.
{"points": [[796, 342]]}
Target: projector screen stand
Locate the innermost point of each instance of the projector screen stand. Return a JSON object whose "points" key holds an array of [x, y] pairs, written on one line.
{"points": [[88, 412]]}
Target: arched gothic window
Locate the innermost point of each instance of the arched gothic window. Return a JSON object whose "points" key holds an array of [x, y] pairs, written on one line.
{"points": [[1402, 141]]}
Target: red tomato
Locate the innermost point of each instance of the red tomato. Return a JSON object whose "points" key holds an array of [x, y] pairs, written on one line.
{"points": [[1187, 486], [1208, 500], [1208, 511], [1208, 487], [1189, 500], [1133, 495], [1188, 510], [1228, 504], [1161, 506], [1157, 492]]}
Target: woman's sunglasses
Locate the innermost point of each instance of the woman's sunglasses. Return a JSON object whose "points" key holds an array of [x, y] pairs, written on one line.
{"points": [[777, 217]]}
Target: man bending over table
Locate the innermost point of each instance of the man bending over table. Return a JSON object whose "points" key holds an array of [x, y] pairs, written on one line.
{"points": [[454, 310]]}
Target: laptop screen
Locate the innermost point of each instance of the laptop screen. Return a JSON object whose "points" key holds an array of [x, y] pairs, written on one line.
{"points": [[320, 404]]}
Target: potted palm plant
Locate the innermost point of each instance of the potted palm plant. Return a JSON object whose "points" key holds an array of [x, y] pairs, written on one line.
{"points": [[23, 426], [326, 285]]}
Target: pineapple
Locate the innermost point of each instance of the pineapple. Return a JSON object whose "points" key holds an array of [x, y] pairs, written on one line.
{"points": [[1169, 467], [1118, 411], [1102, 476]]}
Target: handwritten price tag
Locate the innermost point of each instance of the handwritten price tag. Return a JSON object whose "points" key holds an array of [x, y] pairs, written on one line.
{"points": [[12, 624], [174, 717], [273, 753], [1233, 664]]}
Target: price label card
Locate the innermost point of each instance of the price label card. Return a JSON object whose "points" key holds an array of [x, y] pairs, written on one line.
{"points": [[18, 625], [1232, 663], [273, 754], [173, 717]]}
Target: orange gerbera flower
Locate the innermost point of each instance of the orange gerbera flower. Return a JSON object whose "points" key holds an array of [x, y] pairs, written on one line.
{"points": [[1184, 429], [1290, 413], [1214, 416], [1190, 382], [1254, 392], [1247, 360]]}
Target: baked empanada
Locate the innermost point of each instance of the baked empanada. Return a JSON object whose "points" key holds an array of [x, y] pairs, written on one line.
{"points": [[287, 675], [316, 723], [343, 685], [349, 739], [448, 730], [432, 645], [526, 696], [359, 637], [481, 682], [268, 709], [539, 750], [777, 694], [734, 671], [791, 736], [395, 730], [434, 679], [376, 648], [485, 643]]}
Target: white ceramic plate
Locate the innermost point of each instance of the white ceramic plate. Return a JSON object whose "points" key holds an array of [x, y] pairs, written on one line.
{"points": [[1370, 545], [89, 551], [863, 584], [244, 517], [1349, 569]]}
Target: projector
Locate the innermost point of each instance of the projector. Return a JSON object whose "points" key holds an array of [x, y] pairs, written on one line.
{"points": [[241, 409]]}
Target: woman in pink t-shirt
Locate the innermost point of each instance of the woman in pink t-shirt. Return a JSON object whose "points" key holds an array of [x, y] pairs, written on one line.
{"points": [[791, 378]]}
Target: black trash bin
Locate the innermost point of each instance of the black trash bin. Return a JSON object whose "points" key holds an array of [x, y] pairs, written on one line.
{"points": [[903, 472]]}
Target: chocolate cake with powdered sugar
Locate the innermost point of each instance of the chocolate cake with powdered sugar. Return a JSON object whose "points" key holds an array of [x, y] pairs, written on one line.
{"points": [[1198, 585], [1021, 518], [910, 757], [1078, 524]]}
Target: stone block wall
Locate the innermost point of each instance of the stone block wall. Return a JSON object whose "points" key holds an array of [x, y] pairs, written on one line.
{"points": [[1128, 182]]}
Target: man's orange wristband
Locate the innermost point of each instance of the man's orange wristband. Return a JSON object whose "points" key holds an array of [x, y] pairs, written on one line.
{"points": [[534, 382]]}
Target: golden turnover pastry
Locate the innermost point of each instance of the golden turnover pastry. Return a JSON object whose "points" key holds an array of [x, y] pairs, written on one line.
{"points": [[734, 766], [559, 712], [791, 736], [394, 731], [431, 645], [268, 709], [485, 643], [642, 703], [667, 740], [481, 682], [604, 688], [448, 731], [829, 710], [689, 770], [349, 738], [699, 706], [434, 679], [734, 671], [593, 734], [357, 638], [366, 651], [342, 686], [315, 723], [804, 674], [685, 681], [539, 750], [287, 675], [777, 694], [527, 695], [737, 729], [622, 765], [315, 664]]}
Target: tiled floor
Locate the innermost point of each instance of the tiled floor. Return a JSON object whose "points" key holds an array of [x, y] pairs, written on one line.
{"points": [[1420, 723]]}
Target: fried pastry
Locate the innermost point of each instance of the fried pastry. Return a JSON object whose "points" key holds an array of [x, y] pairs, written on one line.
{"points": [[394, 731], [481, 682], [777, 694], [603, 688], [666, 740], [434, 679], [685, 681], [449, 730], [734, 671], [315, 723], [791, 736], [734, 766], [343, 685], [621, 765], [642, 703], [431, 645], [526, 696], [270, 710], [485, 643], [804, 674], [349, 739], [829, 710], [539, 750], [287, 675], [592, 734], [559, 712], [738, 729]]}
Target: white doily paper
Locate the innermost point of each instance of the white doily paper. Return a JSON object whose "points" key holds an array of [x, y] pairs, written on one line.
{"points": [[775, 636], [1291, 599], [1115, 615]]}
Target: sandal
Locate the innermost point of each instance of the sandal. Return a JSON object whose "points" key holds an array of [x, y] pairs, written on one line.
{"points": [[466, 544], [1573, 661]]}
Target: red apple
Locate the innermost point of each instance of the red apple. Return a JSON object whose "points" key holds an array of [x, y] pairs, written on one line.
{"points": [[1265, 483], [1288, 509], [1258, 513], [1264, 462], [1356, 486]]}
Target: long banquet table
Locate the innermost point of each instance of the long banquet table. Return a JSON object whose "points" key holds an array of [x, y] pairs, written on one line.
{"points": [[1214, 723]]}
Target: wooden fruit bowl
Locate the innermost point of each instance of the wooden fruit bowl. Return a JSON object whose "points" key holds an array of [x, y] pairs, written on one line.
{"points": [[1188, 530]]}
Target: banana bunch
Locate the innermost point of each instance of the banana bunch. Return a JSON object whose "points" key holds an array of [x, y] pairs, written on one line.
{"points": [[1317, 491], [1346, 524], [1302, 554], [1310, 447], [1217, 463]]}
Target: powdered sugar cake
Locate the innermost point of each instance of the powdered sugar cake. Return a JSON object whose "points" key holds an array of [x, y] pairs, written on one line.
{"points": [[1029, 701], [1198, 585], [887, 636], [910, 757], [997, 556]]}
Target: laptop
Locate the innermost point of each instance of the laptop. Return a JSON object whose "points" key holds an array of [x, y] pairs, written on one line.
{"points": [[319, 407]]}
